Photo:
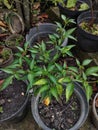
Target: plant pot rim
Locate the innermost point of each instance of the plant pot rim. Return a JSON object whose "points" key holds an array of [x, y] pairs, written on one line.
{"points": [[36, 33], [84, 106], [22, 106], [93, 107], [21, 21]]}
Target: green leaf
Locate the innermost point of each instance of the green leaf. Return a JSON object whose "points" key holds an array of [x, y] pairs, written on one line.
{"points": [[64, 80], [28, 61], [51, 67], [70, 31], [9, 71], [1, 109], [54, 92], [59, 67], [43, 46], [58, 24], [6, 3], [74, 69], [83, 6], [43, 89], [20, 49], [30, 79], [59, 89], [69, 53], [34, 51], [71, 3], [78, 62], [63, 17], [32, 64], [40, 82], [91, 70], [84, 76], [20, 61], [52, 78], [6, 82], [88, 91], [86, 62], [69, 91], [26, 45]]}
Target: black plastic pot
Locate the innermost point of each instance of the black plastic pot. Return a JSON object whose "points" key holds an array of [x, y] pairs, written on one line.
{"points": [[94, 112], [73, 14], [41, 31], [83, 104], [86, 41], [13, 38], [20, 114], [5, 64]]}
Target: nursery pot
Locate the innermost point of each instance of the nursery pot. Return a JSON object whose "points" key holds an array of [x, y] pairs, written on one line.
{"points": [[9, 60], [84, 106], [15, 23], [13, 39], [87, 41], [94, 112], [18, 114], [70, 13], [41, 31], [5, 64]]}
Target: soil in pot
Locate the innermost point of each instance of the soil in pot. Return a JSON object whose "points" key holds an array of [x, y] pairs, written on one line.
{"points": [[92, 29], [79, 6], [62, 115], [11, 99], [45, 39]]}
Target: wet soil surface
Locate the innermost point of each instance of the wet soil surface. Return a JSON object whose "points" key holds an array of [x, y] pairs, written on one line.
{"points": [[62, 115], [12, 97]]}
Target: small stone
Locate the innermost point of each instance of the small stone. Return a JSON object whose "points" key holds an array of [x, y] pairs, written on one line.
{"points": [[22, 93], [70, 121], [2, 101], [9, 100]]}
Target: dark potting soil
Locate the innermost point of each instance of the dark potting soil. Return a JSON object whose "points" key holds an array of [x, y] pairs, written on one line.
{"points": [[44, 39], [60, 116], [12, 98]]}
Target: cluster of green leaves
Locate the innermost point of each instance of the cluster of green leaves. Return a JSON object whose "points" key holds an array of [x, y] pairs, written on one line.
{"points": [[15, 41], [41, 69], [5, 53]]}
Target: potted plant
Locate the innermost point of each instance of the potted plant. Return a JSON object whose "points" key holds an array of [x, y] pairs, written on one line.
{"points": [[15, 22], [13, 41], [53, 81], [13, 105], [73, 8], [95, 110], [44, 31], [6, 56], [87, 33]]}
